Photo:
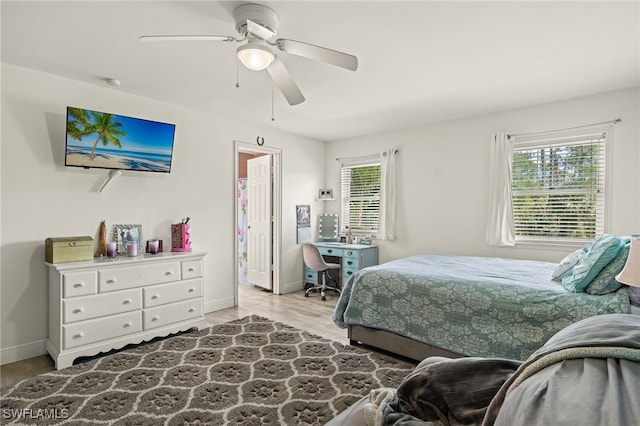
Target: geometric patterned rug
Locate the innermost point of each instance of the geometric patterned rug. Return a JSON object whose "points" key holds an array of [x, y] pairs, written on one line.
{"points": [[251, 371]]}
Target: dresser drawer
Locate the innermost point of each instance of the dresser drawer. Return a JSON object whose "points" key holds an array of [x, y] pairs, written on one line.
{"points": [[172, 313], [96, 330], [80, 283], [100, 305], [137, 276], [173, 292], [347, 273], [310, 276], [351, 253], [330, 251], [351, 262], [191, 269]]}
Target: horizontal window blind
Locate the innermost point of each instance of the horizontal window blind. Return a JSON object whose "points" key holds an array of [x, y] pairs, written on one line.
{"points": [[361, 197], [559, 187]]}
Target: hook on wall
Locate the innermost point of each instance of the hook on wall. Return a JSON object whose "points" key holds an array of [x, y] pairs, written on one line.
{"points": [[260, 141]]}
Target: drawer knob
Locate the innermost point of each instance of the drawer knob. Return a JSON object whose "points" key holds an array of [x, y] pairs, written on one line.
{"points": [[349, 262], [192, 309], [78, 310], [192, 289], [127, 301], [78, 285], [191, 269], [155, 318], [168, 273], [111, 281], [78, 335], [127, 324], [155, 296]]}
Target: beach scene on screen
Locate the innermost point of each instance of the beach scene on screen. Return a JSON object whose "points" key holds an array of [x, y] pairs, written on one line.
{"points": [[102, 140]]}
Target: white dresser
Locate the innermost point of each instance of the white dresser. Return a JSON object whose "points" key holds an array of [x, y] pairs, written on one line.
{"points": [[105, 304]]}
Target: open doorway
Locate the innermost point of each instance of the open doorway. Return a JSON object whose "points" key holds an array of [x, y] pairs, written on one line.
{"points": [[265, 236]]}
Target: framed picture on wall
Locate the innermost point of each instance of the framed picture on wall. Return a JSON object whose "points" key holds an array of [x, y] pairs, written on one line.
{"points": [[303, 223]]}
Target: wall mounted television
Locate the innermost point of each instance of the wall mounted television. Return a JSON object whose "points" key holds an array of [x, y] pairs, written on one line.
{"points": [[108, 141]]}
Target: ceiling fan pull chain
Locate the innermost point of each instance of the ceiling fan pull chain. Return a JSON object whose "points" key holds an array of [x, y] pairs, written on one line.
{"points": [[272, 110], [237, 72]]}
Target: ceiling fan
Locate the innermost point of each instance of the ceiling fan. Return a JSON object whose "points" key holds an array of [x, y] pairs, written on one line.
{"points": [[258, 26]]}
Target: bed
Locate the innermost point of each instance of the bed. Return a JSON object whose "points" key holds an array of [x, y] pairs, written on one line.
{"points": [[585, 374], [453, 306]]}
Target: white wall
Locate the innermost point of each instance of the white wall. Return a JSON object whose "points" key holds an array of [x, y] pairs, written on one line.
{"points": [[443, 174], [41, 198]]}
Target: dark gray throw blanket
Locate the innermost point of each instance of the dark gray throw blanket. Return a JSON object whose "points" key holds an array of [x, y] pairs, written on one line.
{"points": [[453, 391], [472, 391]]}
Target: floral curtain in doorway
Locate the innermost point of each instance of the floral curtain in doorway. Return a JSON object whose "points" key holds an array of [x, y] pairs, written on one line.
{"points": [[242, 230]]}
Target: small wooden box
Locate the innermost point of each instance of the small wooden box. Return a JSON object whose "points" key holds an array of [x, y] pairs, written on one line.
{"points": [[68, 249]]}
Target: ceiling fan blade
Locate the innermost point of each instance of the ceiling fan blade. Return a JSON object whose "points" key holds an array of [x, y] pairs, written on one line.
{"points": [[333, 57], [258, 30], [186, 38], [285, 82]]}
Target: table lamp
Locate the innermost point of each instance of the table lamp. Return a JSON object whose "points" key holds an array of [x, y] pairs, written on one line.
{"points": [[630, 274]]}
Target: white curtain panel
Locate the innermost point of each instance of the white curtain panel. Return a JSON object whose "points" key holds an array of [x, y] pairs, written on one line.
{"points": [[500, 227], [387, 219]]}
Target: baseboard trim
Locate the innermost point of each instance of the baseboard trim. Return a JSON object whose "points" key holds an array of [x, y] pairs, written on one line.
{"points": [[217, 305], [291, 287], [22, 352]]}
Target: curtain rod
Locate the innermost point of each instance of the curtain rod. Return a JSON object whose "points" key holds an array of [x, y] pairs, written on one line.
{"points": [[364, 157], [615, 121]]}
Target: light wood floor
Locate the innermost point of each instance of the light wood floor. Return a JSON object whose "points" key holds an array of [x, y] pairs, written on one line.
{"points": [[306, 313]]}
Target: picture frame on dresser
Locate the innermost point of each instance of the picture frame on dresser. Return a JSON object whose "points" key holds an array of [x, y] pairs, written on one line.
{"points": [[122, 234]]}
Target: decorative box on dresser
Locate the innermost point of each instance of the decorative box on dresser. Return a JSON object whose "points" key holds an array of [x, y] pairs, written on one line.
{"points": [[104, 304]]}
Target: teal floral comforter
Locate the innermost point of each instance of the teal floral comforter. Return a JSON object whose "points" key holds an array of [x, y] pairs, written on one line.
{"points": [[475, 306]]}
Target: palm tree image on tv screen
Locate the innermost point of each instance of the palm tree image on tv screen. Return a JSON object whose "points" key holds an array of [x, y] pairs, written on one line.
{"points": [[109, 141]]}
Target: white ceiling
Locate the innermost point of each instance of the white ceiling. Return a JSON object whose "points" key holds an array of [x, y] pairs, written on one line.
{"points": [[419, 61]]}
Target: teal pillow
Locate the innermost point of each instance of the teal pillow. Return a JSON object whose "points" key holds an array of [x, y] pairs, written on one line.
{"points": [[605, 282], [588, 246], [603, 251], [566, 265]]}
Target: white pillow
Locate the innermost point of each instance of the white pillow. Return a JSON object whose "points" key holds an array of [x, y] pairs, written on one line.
{"points": [[566, 265]]}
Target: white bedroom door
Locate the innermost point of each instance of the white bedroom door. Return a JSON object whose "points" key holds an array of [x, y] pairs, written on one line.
{"points": [[259, 221]]}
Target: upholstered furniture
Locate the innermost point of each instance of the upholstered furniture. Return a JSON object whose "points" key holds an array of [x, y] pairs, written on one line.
{"points": [[480, 306]]}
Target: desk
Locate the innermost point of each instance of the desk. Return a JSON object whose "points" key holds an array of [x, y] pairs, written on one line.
{"points": [[351, 257]]}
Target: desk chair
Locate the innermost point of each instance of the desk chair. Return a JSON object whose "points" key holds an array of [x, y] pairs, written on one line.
{"points": [[314, 260]]}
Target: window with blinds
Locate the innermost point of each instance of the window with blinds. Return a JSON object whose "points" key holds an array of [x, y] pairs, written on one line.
{"points": [[361, 197], [559, 188]]}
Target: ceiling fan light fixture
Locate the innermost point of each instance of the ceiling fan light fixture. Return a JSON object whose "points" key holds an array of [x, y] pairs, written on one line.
{"points": [[256, 57]]}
